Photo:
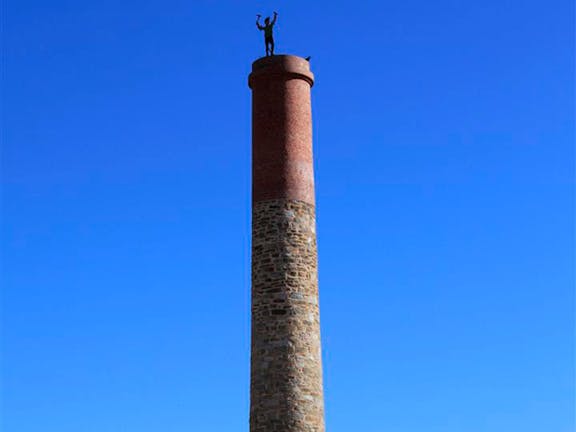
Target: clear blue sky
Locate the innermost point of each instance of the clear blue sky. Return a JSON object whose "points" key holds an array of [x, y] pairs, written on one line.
{"points": [[444, 155]]}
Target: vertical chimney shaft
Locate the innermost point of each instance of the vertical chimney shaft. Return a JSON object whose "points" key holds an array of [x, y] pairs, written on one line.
{"points": [[286, 372]]}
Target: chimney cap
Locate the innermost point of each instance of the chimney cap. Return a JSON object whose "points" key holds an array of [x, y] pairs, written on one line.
{"points": [[281, 66]]}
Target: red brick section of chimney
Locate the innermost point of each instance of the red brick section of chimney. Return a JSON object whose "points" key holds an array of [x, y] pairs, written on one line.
{"points": [[286, 369]]}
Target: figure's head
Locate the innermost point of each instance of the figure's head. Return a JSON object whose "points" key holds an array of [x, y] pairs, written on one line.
{"points": [[267, 20]]}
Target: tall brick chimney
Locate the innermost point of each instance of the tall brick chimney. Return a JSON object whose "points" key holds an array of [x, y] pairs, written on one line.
{"points": [[286, 368]]}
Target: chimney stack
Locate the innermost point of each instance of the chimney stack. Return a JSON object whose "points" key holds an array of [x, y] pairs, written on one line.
{"points": [[286, 367]]}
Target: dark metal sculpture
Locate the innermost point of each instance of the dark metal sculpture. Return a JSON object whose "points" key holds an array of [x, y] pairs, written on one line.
{"points": [[268, 34]]}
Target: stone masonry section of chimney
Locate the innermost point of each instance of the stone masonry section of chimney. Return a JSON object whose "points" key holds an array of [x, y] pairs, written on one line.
{"points": [[286, 368]]}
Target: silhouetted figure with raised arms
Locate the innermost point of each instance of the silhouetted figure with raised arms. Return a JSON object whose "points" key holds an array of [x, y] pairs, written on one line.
{"points": [[268, 36]]}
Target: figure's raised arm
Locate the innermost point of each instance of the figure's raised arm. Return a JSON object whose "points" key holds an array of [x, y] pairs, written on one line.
{"points": [[260, 27], [275, 18]]}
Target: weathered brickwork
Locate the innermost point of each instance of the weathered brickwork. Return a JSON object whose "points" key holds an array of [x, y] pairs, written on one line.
{"points": [[286, 371], [286, 375]]}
